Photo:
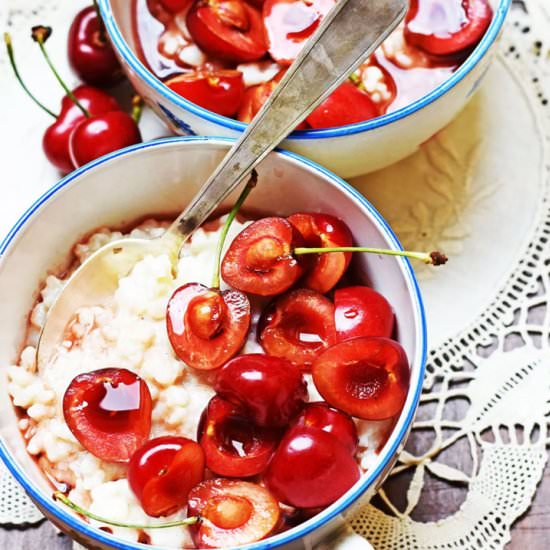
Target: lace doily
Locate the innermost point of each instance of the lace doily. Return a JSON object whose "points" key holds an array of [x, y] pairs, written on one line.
{"points": [[487, 390]]}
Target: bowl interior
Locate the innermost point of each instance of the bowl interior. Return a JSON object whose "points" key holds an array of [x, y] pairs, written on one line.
{"points": [[158, 179], [119, 20]]}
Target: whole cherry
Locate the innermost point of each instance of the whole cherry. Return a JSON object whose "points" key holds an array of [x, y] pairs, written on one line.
{"points": [[90, 53]]}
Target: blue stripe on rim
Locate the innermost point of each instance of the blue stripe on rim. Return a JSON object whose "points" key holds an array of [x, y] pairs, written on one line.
{"points": [[331, 512], [144, 74]]}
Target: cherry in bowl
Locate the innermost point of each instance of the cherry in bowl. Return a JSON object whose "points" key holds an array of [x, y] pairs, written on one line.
{"points": [[311, 469], [163, 471], [233, 445], [109, 412], [365, 377], [233, 513], [298, 326], [270, 390], [207, 327]]}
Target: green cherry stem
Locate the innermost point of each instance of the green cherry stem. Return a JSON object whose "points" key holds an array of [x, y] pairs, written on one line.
{"points": [[70, 504], [137, 108], [40, 34], [432, 258], [11, 56], [232, 215]]}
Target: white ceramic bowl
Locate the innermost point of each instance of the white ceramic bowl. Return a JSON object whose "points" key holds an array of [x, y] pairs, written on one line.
{"points": [[160, 178], [349, 150]]}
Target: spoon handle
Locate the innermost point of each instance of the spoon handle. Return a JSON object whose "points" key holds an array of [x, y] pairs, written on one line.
{"points": [[351, 32]]}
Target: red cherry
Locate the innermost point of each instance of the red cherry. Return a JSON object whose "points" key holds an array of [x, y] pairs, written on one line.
{"points": [[218, 91], [175, 6], [298, 326], [365, 377], [324, 231], [337, 423], [56, 138], [447, 27], [228, 29], [90, 53], [109, 412], [346, 105], [310, 469], [289, 23], [270, 390], [163, 471], [232, 444], [98, 135], [233, 513], [361, 311], [260, 261], [207, 327]]}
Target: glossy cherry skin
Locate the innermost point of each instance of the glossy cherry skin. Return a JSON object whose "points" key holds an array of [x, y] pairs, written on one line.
{"points": [[56, 138], [228, 29], [175, 6], [109, 412], [310, 469], [346, 105], [233, 513], [233, 445], [289, 23], [298, 326], [323, 231], [361, 311], [270, 390], [90, 53], [365, 377], [260, 261], [337, 423], [219, 91], [207, 327], [96, 136], [447, 27], [163, 471]]}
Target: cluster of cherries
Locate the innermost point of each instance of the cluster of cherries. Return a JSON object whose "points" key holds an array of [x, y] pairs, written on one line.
{"points": [[437, 33], [259, 442], [90, 123]]}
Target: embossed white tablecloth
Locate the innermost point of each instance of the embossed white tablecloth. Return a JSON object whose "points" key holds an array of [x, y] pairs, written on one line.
{"points": [[478, 191]]}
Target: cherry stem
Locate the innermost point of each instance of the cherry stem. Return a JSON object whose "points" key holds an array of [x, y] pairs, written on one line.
{"points": [[231, 216], [9, 48], [58, 495], [100, 21], [433, 258], [137, 108], [40, 38]]}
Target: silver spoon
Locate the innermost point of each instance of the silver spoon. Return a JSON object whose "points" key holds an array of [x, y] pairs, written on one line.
{"points": [[351, 32]]}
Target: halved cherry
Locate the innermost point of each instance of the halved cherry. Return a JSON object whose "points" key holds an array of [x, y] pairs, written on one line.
{"points": [[310, 469], [361, 311], [109, 412], [298, 326], [207, 327], [260, 261], [365, 377], [289, 23], [228, 29], [346, 105], [447, 27], [233, 445], [219, 91], [163, 471], [337, 423], [233, 513], [324, 231], [270, 390]]}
